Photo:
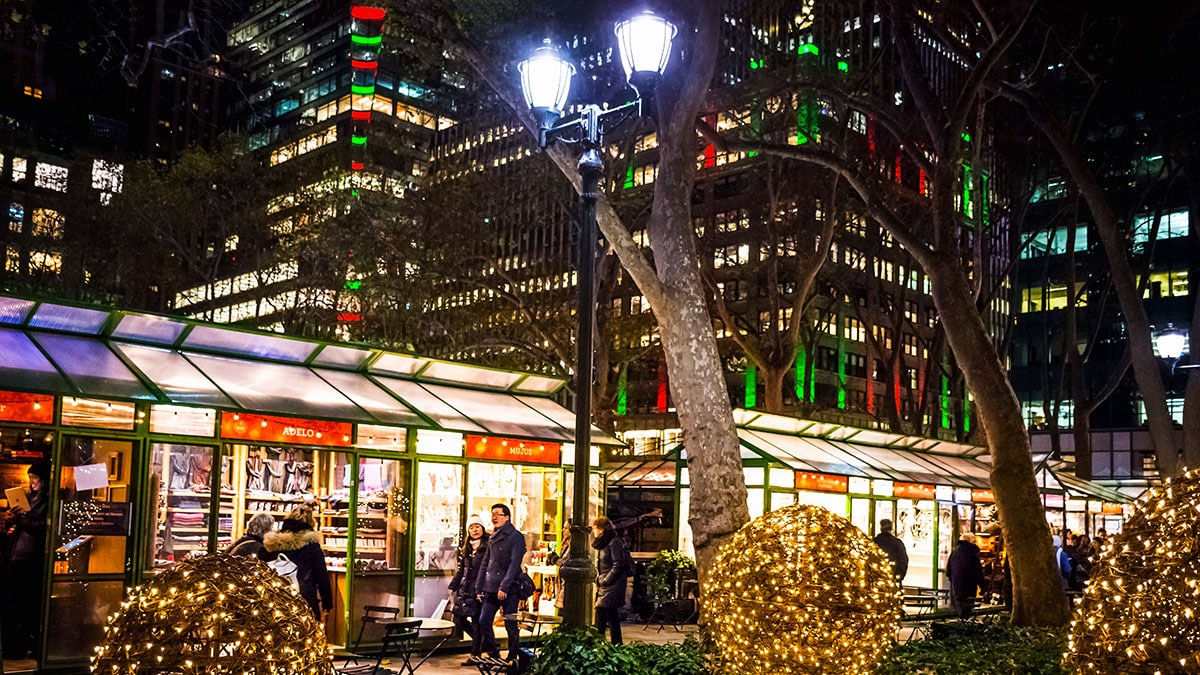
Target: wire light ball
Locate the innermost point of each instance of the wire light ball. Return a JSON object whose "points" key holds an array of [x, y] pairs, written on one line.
{"points": [[1140, 612], [801, 590], [214, 614]]}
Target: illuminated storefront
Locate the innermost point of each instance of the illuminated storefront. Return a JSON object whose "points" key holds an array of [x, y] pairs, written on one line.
{"points": [[167, 436], [931, 490]]}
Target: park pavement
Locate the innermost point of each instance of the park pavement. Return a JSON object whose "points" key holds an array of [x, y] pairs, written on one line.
{"points": [[448, 659]]}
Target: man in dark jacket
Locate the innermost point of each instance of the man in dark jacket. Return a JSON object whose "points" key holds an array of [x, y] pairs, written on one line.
{"points": [[966, 575], [497, 582], [614, 565], [894, 548], [24, 570]]}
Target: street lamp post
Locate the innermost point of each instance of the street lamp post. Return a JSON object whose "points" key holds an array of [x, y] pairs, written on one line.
{"points": [[645, 46]]}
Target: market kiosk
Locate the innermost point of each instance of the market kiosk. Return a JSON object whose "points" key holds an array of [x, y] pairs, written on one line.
{"points": [[931, 489], [166, 436]]}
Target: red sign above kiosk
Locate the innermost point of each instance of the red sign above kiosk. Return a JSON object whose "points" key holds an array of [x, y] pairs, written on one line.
{"points": [[513, 450], [30, 408], [274, 429], [913, 491], [823, 482]]}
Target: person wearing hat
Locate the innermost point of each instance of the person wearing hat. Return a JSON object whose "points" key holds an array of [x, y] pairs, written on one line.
{"points": [[301, 544], [24, 566], [462, 586]]}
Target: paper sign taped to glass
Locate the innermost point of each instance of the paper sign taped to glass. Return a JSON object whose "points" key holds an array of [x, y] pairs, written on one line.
{"points": [[91, 477]]}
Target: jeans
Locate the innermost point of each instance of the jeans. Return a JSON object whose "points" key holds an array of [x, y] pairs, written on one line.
{"points": [[485, 637], [609, 617]]}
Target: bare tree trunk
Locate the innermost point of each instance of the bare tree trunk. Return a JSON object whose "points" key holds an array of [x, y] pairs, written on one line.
{"points": [[772, 379], [1038, 596]]}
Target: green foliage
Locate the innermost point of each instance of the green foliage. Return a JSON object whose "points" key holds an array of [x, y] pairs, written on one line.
{"points": [[994, 647], [573, 651], [664, 573]]}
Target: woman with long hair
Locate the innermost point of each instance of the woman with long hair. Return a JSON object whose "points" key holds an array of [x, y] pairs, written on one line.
{"points": [[301, 544], [614, 566], [466, 605]]}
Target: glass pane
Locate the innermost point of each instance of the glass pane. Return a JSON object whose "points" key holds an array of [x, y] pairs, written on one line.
{"points": [[78, 611], [276, 387], [181, 485], [398, 364], [13, 310], [173, 419], [782, 499], [532, 493], [82, 412], [23, 365], [432, 407], [174, 375], [249, 344], [502, 414], [860, 514], [371, 397], [157, 329], [375, 437], [93, 517], [914, 526], [71, 319], [538, 385], [458, 372], [92, 367], [439, 515], [596, 491], [345, 357]]}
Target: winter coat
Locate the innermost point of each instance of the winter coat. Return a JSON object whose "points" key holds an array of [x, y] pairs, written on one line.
{"points": [[303, 547], [614, 565], [895, 550], [250, 546], [501, 561], [470, 560], [27, 532], [965, 570]]}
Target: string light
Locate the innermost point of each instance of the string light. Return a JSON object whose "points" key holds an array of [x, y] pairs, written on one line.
{"points": [[801, 590], [1139, 610], [214, 614]]}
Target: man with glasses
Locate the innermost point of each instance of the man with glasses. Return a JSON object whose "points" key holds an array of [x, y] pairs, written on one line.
{"points": [[497, 583]]}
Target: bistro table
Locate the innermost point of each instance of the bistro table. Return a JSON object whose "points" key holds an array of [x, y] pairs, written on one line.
{"points": [[431, 626]]}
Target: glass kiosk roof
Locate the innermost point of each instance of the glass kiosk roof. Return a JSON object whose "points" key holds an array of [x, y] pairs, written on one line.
{"points": [[90, 352]]}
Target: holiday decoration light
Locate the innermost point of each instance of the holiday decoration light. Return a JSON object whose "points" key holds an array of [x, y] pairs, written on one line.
{"points": [[366, 40], [214, 614], [800, 590], [1139, 611]]}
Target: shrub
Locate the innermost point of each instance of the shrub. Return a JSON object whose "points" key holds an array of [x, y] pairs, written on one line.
{"points": [[574, 651], [991, 647], [664, 574]]}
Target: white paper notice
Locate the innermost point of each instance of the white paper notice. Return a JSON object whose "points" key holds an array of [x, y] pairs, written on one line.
{"points": [[91, 477]]}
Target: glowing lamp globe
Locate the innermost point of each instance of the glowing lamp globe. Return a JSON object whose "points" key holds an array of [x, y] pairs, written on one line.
{"points": [[214, 614], [644, 42], [546, 82], [801, 590], [1140, 612], [1170, 344]]}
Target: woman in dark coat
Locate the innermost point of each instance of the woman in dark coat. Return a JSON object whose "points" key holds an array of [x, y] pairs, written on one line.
{"points": [[302, 545], [614, 568], [966, 575], [24, 568], [466, 605]]}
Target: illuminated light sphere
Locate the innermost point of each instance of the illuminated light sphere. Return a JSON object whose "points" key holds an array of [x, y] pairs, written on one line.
{"points": [[214, 614], [1140, 611], [801, 590]]}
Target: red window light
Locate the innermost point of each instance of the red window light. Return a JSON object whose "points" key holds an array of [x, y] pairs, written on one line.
{"points": [[364, 65], [361, 115], [356, 166], [368, 13], [349, 317]]}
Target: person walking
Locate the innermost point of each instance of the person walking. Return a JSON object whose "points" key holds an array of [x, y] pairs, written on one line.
{"points": [[614, 565], [25, 567], [301, 544], [966, 575], [462, 586], [251, 543], [496, 585], [894, 548]]}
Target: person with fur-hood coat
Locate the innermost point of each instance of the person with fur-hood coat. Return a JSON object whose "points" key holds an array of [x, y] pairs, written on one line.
{"points": [[301, 544]]}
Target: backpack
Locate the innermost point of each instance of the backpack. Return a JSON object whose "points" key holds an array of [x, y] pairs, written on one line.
{"points": [[524, 586], [284, 567]]}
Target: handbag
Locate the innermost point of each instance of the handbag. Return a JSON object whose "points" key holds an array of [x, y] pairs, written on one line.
{"points": [[284, 567], [524, 586]]}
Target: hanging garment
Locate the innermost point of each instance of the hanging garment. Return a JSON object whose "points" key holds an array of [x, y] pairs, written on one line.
{"points": [[275, 467], [201, 472], [304, 472], [255, 472], [180, 467], [289, 478]]}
